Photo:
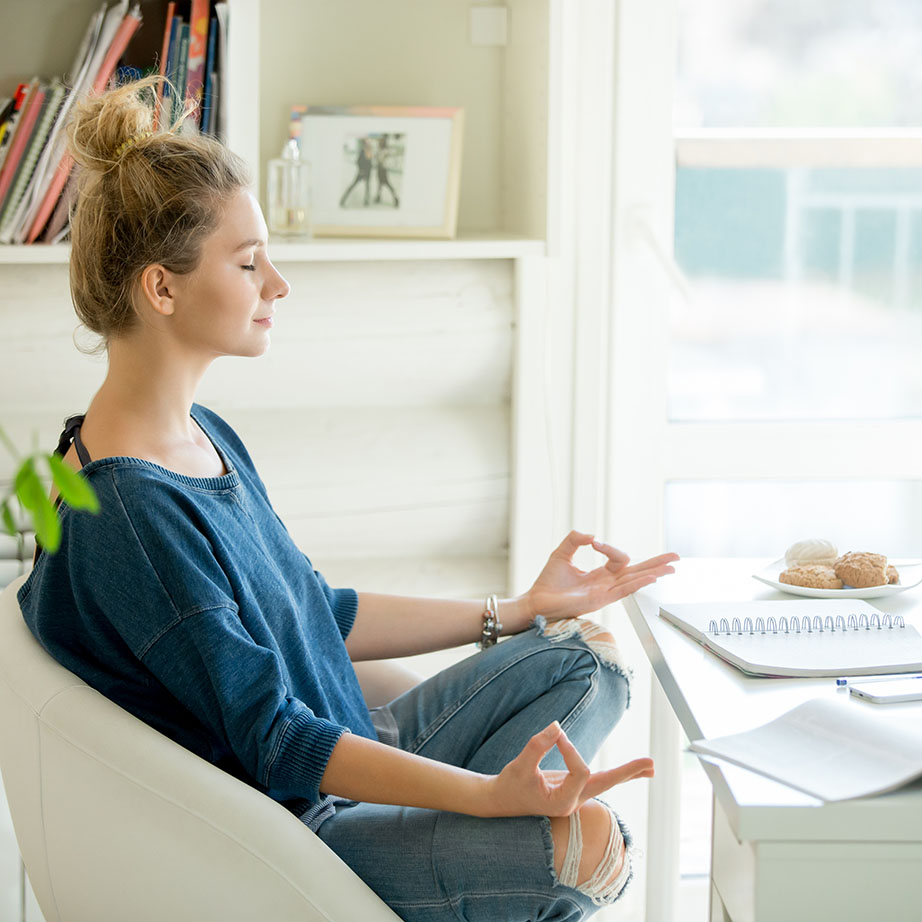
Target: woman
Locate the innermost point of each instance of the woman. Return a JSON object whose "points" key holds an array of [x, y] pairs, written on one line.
{"points": [[186, 601]]}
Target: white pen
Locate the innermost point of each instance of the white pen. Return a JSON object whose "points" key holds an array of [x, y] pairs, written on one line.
{"points": [[851, 680]]}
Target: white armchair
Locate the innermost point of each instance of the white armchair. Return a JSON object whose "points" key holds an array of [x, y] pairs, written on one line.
{"points": [[116, 822]]}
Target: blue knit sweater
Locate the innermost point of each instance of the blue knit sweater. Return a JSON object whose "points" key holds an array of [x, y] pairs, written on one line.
{"points": [[186, 602]]}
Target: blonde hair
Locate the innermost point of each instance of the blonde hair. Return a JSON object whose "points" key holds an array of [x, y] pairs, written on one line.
{"points": [[144, 196]]}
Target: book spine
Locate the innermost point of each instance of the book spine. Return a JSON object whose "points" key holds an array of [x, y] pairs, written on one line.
{"points": [[5, 111], [18, 101], [30, 114], [198, 39], [164, 61], [214, 111], [182, 66], [208, 91], [223, 16], [172, 58]]}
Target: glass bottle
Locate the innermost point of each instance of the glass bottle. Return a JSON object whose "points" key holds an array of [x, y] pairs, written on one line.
{"points": [[289, 192]]}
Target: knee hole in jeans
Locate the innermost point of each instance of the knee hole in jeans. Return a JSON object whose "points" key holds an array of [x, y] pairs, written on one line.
{"points": [[594, 635], [602, 872]]}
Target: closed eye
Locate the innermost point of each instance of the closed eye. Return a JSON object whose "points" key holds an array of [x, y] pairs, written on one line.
{"points": [[250, 268]]}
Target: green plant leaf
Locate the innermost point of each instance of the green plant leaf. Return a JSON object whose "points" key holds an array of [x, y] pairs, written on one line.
{"points": [[74, 489], [32, 495], [8, 521]]}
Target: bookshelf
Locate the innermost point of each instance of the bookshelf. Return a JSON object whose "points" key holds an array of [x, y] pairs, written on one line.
{"points": [[406, 52]]}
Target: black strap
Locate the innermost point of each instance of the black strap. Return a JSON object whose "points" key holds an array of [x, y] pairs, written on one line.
{"points": [[70, 434]]}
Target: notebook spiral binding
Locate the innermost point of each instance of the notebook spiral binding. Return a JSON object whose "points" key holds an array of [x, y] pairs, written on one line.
{"points": [[806, 624]]}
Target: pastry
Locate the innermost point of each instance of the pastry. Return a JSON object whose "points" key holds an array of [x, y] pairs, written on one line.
{"points": [[812, 551], [811, 576], [862, 569], [893, 575]]}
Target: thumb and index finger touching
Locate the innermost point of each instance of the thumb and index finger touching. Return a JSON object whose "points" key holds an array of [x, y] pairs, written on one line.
{"points": [[577, 539], [581, 782]]}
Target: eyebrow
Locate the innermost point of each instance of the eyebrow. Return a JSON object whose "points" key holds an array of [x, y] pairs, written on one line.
{"points": [[253, 242]]}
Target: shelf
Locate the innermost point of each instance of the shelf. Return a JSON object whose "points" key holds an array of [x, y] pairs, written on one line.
{"points": [[466, 246], [337, 249], [14, 254]]}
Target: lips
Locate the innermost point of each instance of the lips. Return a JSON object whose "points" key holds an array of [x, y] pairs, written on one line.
{"points": [[266, 321]]}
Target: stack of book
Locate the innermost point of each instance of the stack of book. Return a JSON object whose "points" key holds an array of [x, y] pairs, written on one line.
{"points": [[35, 169]]}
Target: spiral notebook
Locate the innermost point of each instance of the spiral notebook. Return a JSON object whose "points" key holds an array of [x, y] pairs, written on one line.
{"points": [[813, 637]]}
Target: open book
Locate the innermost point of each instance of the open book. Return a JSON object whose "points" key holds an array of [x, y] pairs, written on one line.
{"points": [[812, 637], [830, 748]]}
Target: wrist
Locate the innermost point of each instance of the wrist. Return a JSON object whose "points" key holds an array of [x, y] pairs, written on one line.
{"points": [[516, 614], [484, 801]]}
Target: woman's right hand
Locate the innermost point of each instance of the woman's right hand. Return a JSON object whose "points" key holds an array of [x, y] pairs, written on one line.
{"points": [[524, 789]]}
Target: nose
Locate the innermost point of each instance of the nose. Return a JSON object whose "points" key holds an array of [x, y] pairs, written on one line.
{"points": [[276, 286]]}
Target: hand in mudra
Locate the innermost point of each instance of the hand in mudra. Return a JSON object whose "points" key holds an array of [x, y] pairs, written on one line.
{"points": [[524, 789], [562, 590]]}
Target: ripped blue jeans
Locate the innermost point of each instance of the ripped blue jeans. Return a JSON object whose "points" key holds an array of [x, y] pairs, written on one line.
{"points": [[433, 866]]}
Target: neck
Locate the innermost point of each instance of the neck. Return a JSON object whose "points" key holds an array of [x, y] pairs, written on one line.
{"points": [[150, 383]]}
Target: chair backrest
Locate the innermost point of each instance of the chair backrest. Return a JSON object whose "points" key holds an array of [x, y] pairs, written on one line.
{"points": [[115, 821]]}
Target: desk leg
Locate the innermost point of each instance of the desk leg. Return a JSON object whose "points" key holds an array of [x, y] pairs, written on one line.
{"points": [[717, 912], [663, 823]]}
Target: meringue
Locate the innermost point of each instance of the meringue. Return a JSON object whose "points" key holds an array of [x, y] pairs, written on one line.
{"points": [[812, 551]]}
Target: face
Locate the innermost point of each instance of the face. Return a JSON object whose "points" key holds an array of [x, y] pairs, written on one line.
{"points": [[225, 306]]}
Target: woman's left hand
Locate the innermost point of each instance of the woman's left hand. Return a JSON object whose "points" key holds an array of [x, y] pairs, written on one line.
{"points": [[562, 590]]}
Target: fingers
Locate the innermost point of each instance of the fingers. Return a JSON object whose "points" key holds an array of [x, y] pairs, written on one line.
{"points": [[654, 563], [616, 558], [541, 744], [577, 770], [599, 782], [628, 585], [629, 580], [573, 541]]}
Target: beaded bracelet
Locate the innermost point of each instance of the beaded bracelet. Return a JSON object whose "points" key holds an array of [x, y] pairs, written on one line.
{"points": [[491, 625]]}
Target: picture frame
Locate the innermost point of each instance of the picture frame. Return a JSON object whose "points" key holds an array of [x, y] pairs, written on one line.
{"points": [[383, 171]]}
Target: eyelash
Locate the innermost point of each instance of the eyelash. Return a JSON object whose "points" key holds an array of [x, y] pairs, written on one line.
{"points": [[251, 268]]}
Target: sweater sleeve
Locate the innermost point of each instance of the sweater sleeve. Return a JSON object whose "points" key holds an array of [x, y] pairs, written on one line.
{"points": [[343, 602], [235, 688]]}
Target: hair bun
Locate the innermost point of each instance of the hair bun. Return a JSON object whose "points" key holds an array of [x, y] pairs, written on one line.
{"points": [[102, 127]]}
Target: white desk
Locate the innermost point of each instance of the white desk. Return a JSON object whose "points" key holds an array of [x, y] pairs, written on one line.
{"points": [[778, 854]]}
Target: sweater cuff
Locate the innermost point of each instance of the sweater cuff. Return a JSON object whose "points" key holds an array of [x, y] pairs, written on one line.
{"points": [[301, 760], [345, 605]]}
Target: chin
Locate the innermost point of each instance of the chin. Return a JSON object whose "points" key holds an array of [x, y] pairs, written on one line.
{"points": [[254, 350]]}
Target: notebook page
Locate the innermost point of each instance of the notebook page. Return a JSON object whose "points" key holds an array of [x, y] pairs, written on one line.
{"points": [[773, 651], [831, 749]]}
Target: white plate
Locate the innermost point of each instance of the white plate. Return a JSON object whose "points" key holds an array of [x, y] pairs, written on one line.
{"points": [[910, 576]]}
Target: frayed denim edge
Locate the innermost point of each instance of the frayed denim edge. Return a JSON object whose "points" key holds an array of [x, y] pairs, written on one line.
{"points": [[539, 623], [629, 854], [549, 848]]}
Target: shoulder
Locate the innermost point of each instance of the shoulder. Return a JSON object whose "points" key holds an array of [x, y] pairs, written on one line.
{"points": [[223, 434]]}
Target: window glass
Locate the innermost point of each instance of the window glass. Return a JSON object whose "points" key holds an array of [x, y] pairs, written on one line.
{"points": [[786, 62], [805, 294], [763, 518]]}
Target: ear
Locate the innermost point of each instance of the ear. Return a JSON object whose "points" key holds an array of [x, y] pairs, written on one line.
{"points": [[156, 285]]}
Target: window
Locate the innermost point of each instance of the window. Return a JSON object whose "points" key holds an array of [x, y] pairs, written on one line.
{"points": [[793, 394]]}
